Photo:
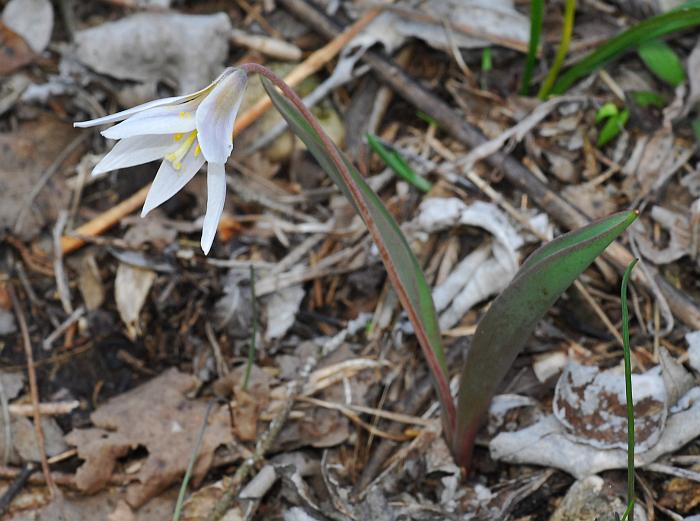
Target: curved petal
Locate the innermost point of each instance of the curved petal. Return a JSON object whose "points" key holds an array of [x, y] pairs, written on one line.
{"points": [[160, 120], [135, 151], [216, 196], [169, 181], [118, 116], [217, 114]]}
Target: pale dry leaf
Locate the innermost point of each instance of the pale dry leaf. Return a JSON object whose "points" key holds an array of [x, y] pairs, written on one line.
{"points": [[693, 340], [32, 20], [188, 50], [131, 287], [90, 282], [483, 272], [547, 443], [158, 417], [591, 404], [497, 18], [693, 68], [25, 441], [677, 380], [281, 310], [653, 161], [680, 237]]}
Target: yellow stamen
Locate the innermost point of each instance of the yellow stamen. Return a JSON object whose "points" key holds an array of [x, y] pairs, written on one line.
{"points": [[184, 114], [175, 157], [177, 136], [197, 150]]}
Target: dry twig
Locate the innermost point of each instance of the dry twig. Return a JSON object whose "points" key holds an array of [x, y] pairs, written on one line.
{"points": [[33, 389]]}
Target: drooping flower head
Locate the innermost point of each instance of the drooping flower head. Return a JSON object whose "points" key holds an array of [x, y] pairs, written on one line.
{"points": [[185, 131]]}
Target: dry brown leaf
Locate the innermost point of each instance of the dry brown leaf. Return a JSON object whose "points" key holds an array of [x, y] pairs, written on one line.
{"points": [[158, 417], [14, 51], [26, 154], [249, 404]]}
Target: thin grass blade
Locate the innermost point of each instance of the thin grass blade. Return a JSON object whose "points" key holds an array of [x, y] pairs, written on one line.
{"points": [[649, 29], [536, 17]]}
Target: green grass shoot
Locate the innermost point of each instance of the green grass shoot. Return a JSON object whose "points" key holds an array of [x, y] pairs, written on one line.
{"points": [[567, 31], [190, 467], [613, 126], [663, 61], [628, 390], [649, 29], [648, 98], [398, 164], [536, 17]]}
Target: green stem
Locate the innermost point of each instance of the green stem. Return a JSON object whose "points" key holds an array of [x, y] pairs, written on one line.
{"points": [[567, 31], [190, 467], [628, 390], [536, 16]]}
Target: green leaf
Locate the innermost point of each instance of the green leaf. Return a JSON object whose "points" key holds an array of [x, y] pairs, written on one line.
{"points": [[512, 317], [648, 98], [606, 111], [486, 60], [536, 16], [649, 29], [398, 164], [612, 128], [402, 267], [662, 61]]}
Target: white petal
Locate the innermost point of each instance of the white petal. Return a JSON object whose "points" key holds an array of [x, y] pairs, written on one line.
{"points": [[160, 120], [135, 151], [118, 116], [169, 181], [216, 195], [217, 114], [173, 100]]}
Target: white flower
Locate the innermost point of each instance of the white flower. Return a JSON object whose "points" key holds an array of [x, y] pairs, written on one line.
{"points": [[184, 131]]}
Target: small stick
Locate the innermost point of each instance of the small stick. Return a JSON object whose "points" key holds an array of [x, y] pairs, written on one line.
{"points": [[313, 63], [47, 409], [34, 390], [273, 47], [17, 484]]}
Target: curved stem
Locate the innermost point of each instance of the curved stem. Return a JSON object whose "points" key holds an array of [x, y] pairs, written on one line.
{"points": [[567, 31], [438, 370]]}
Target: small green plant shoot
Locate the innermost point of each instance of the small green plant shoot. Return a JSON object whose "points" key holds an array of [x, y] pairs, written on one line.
{"points": [[628, 390]]}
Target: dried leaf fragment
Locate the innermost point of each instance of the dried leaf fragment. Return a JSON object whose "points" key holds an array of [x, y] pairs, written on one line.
{"points": [[158, 417], [131, 287], [592, 406]]}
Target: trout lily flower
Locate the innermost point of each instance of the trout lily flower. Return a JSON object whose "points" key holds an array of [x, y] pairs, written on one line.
{"points": [[185, 132]]}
